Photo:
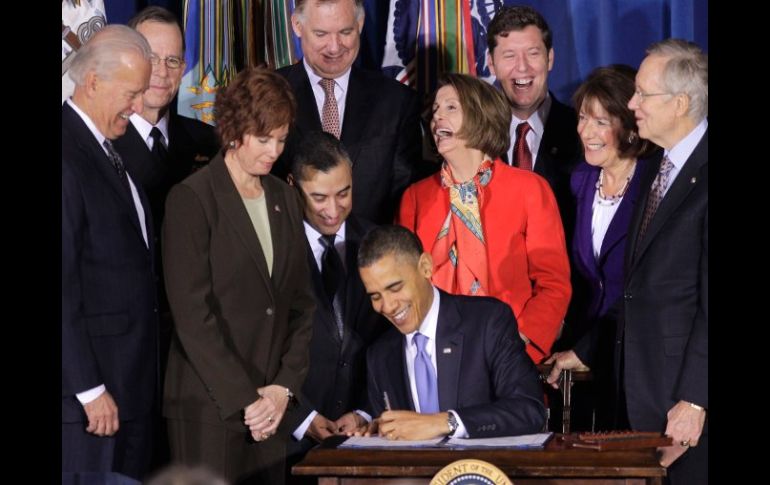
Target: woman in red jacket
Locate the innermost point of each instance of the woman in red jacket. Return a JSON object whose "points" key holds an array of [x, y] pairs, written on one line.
{"points": [[493, 230]]}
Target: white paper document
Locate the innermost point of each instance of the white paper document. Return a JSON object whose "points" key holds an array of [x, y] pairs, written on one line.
{"points": [[380, 442], [521, 442], [529, 441]]}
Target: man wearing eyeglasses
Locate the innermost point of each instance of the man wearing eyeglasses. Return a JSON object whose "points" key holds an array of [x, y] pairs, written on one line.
{"points": [[663, 355], [161, 148]]}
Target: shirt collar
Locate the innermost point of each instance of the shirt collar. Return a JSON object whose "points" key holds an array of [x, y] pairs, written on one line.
{"points": [[144, 127], [538, 118], [313, 235], [430, 322], [682, 150], [342, 81]]}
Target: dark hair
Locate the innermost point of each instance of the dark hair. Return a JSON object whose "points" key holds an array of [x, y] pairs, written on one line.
{"points": [[486, 113], [517, 17], [612, 87], [389, 239], [320, 151], [154, 13], [256, 102]]}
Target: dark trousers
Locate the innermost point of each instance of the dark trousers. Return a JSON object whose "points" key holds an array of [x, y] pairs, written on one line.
{"points": [[227, 452], [127, 452], [692, 468], [295, 452]]}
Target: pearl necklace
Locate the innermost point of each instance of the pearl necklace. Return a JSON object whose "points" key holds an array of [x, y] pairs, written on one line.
{"points": [[614, 199]]}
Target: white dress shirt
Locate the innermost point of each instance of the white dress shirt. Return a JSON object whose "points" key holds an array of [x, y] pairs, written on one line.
{"points": [[427, 328], [89, 395]]}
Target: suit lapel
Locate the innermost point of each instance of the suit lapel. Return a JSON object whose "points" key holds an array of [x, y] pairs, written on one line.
{"points": [[140, 164], [449, 351], [280, 231], [100, 161], [618, 228], [354, 288], [308, 118], [395, 370], [230, 200], [645, 181], [684, 183], [325, 311], [356, 102], [583, 238]]}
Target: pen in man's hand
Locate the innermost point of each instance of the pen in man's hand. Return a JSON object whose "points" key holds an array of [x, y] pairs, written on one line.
{"points": [[387, 401]]}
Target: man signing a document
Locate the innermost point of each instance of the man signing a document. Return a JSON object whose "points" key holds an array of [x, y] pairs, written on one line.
{"points": [[454, 365]]}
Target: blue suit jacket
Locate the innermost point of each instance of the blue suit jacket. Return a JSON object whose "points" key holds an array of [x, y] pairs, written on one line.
{"points": [[484, 374], [602, 277], [109, 319]]}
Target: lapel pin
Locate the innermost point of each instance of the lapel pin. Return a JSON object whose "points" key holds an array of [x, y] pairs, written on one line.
{"points": [[277, 209], [447, 350], [693, 180], [554, 150]]}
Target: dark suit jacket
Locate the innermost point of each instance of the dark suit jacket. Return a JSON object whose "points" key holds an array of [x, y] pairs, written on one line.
{"points": [[191, 144], [237, 327], [603, 276], [486, 377], [380, 130], [109, 319], [665, 305], [557, 156], [336, 381]]}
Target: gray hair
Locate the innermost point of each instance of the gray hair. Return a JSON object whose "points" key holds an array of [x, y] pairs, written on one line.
{"points": [[299, 7], [102, 52], [686, 71]]}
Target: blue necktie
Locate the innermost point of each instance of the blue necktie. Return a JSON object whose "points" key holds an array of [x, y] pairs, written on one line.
{"points": [[425, 377]]}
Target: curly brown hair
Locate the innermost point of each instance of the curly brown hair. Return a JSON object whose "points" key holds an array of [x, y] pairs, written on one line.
{"points": [[256, 102]]}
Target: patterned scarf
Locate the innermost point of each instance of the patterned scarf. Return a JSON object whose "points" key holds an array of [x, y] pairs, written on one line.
{"points": [[459, 252]]}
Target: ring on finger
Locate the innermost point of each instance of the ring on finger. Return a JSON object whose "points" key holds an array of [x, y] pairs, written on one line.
{"points": [[270, 419], [685, 443]]}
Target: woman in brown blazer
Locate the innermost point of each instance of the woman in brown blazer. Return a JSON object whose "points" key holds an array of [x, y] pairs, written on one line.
{"points": [[238, 285]]}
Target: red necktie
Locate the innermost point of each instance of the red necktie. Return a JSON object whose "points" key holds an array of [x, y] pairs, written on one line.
{"points": [[522, 157]]}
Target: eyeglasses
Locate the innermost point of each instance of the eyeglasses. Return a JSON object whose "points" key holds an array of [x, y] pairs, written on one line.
{"points": [[644, 96], [172, 62]]}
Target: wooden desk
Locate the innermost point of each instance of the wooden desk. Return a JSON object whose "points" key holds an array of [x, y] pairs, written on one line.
{"points": [[555, 465]]}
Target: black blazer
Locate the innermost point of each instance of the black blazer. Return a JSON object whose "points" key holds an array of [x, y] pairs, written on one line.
{"points": [[380, 130], [191, 144], [559, 153], [109, 319], [664, 318], [484, 374], [336, 379]]}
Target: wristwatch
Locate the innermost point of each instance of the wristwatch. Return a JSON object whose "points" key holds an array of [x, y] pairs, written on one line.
{"points": [[451, 423]]}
